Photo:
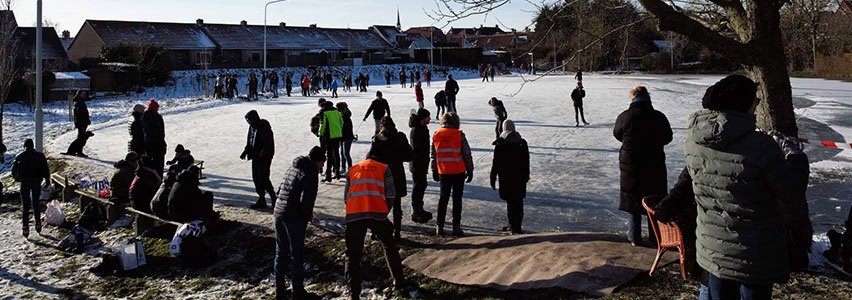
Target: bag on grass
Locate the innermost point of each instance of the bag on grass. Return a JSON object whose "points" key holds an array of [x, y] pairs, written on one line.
{"points": [[53, 215], [131, 253], [76, 240]]}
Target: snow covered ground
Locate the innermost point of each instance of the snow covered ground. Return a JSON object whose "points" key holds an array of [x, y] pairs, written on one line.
{"points": [[574, 183]]}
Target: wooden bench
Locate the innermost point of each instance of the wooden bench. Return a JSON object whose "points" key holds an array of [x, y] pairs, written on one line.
{"points": [[70, 188]]}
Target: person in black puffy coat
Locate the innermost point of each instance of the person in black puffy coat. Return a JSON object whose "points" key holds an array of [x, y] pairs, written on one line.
{"points": [[391, 147], [260, 149], [137, 133], [643, 132], [187, 202], [511, 167], [419, 139], [142, 190], [155, 136]]}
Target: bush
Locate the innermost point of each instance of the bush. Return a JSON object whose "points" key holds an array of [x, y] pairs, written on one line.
{"points": [[152, 60]]}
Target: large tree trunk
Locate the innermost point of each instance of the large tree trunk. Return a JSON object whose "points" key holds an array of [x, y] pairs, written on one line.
{"points": [[776, 107]]}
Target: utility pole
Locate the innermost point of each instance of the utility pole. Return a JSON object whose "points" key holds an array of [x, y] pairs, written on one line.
{"points": [[265, 8], [39, 114]]}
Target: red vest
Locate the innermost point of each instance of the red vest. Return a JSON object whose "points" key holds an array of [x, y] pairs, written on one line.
{"points": [[448, 151]]}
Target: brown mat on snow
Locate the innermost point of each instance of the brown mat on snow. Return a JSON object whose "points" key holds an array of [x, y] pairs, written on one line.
{"points": [[591, 263]]}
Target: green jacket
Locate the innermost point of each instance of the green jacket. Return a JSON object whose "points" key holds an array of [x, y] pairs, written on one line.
{"points": [[739, 176], [331, 125]]}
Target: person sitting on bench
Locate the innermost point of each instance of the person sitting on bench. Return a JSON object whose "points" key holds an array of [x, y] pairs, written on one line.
{"points": [[119, 184], [187, 202], [182, 160]]}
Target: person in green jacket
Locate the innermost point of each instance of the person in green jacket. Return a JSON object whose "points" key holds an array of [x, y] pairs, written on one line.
{"points": [[330, 133], [741, 179]]}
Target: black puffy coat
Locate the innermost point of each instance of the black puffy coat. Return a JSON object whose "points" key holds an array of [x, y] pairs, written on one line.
{"points": [[30, 164], [81, 113], [260, 143], [348, 130], [451, 87], [298, 192], [143, 188], [511, 166], [643, 132], [419, 139], [186, 198], [137, 134], [155, 133], [393, 150]]}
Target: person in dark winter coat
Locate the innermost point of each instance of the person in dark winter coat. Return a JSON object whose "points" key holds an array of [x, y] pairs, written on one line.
{"points": [[155, 136], [742, 180], [348, 136], [402, 77], [452, 166], [579, 76], [288, 84], [577, 96], [388, 78], [81, 113], [252, 86], [137, 131], [119, 184], [143, 188], [511, 166], [452, 89], [441, 103], [643, 132], [183, 159], [294, 210], [187, 202], [499, 114], [419, 167], [379, 107], [330, 133], [260, 149], [391, 147], [273, 84], [160, 202], [29, 168], [427, 75]]}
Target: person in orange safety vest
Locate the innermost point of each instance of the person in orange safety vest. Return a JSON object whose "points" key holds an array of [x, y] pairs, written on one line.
{"points": [[451, 164]]}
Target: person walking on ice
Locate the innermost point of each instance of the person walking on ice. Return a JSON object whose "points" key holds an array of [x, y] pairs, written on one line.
{"points": [[260, 149], [451, 164], [379, 107], [577, 96]]}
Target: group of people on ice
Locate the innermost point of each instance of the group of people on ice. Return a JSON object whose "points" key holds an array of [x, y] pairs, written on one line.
{"points": [[410, 76]]}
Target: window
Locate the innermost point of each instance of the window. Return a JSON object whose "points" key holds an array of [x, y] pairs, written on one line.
{"points": [[255, 56], [203, 58]]}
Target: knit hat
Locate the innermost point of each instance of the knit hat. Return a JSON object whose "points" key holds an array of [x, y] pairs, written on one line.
{"points": [[317, 154], [139, 108], [735, 92], [153, 105]]}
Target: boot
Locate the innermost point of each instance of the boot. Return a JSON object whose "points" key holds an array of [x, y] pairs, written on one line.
{"points": [[457, 232], [299, 293], [26, 232], [260, 204]]}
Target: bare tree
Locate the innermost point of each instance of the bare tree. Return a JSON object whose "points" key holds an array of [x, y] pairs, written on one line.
{"points": [[747, 32], [8, 56]]}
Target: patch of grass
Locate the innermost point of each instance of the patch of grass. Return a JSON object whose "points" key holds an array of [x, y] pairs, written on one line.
{"points": [[202, 284], [122, 286], [68, 268], [153, 294]]}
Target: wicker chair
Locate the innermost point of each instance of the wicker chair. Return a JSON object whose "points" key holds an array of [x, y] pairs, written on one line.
{"points": [[668, 235]]}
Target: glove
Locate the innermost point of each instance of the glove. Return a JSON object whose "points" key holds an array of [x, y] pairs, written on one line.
{"points": [[788, 145], [469, 177], [436, 176]]}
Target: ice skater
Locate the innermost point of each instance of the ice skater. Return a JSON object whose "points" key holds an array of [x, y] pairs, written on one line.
{"points": [[577, 97]]}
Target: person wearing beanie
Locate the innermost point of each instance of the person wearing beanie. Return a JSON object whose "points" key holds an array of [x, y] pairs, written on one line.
{"points": [[418, 139], [577, 96], [119, 183], [499, 113], [29, 168], [391, 148], [260, 149], [137, 133], [745, 182], [155, 136], [511, 168], [452, 166], [183, 160], [293, 211], [643, 132], [379, 107]]}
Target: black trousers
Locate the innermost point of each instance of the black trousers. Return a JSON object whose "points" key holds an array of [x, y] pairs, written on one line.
{"points": [[515, 209], [397, 216], [332, 155], [578, 112], [418, 191], [451, 103], [355, 233], [260, 177], [452, 183]]}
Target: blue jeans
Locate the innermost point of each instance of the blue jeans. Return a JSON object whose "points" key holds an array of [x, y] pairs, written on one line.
{"points": [[290, 248], [634, 229], [345, 158], [718, 289], [30, 193]]}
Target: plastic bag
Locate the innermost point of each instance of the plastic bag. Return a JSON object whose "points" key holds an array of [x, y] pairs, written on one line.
{"points": [[131, 253], [195, 228], [53, 215]]}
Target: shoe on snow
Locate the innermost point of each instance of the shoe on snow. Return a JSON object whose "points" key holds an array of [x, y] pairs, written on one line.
{"points": [[26, 232], [258, 205], [458, 232], [585, 123], [506, 228]]}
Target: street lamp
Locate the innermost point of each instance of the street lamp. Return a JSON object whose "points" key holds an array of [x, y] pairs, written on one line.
{"points": [[265, 8], [39, 114]]}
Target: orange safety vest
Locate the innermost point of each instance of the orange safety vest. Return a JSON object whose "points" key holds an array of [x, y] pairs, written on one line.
{"points": [[366, 197], [448, 151]]}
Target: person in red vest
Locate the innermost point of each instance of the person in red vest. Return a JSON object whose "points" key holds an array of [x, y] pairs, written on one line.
{"points": [[451, 164], [369, 195]]}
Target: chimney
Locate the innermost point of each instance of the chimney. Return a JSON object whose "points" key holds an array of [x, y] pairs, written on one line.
{"points": [[313, 26], [66, 34], [282, 24], [244, 23], [199, 22]]}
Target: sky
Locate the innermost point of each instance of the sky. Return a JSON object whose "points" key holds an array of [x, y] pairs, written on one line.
{"points": [[70, 14]]}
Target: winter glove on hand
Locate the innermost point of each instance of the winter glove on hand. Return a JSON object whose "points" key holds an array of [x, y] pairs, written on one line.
{"points": [[436, 176], [469, 177], [788, 145]]}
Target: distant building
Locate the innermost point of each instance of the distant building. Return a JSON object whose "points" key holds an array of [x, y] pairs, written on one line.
{"points": [[435, 34], [66, 39], [53, 54]]}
